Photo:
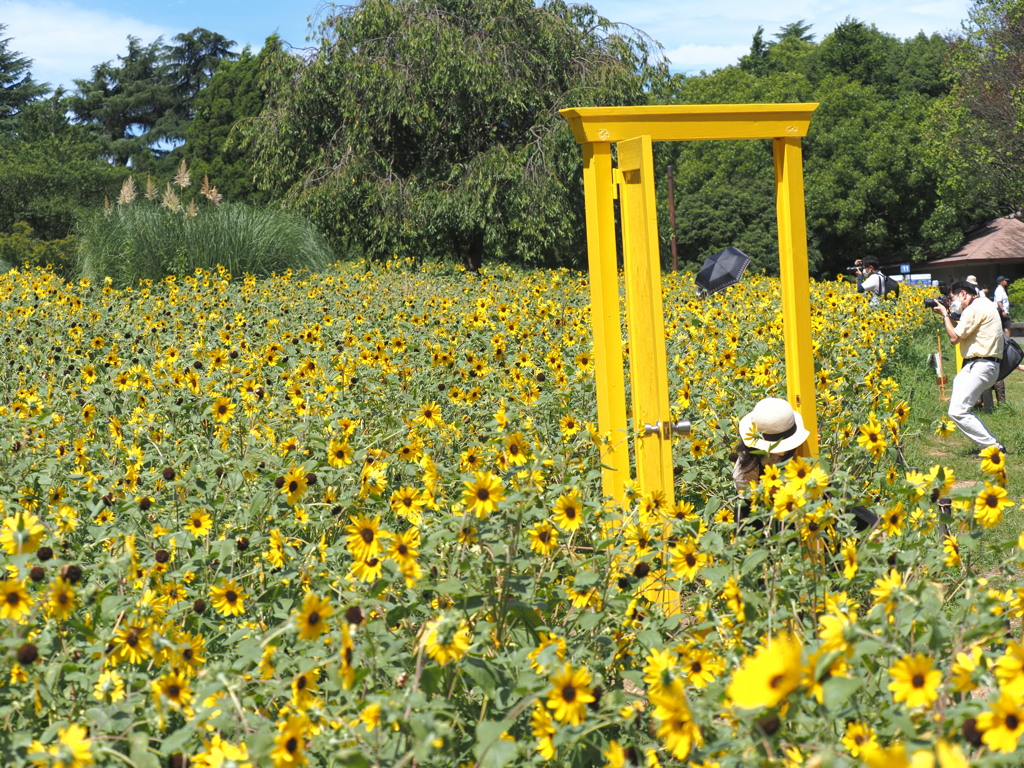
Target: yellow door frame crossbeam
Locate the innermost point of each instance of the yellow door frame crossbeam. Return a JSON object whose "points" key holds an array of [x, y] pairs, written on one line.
{"points": [[596, 129]]}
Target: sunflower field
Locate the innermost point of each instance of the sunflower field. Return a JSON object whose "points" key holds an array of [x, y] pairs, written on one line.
{"points": [[354, 518]]}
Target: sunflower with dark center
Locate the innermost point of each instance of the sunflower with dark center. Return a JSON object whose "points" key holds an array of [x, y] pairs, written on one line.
{"points": [[228, 598], [365, 536], [312, 618]]}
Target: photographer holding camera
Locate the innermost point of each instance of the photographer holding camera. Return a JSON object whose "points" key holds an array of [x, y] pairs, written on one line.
{"points": [[869, 279], [979, 332]]}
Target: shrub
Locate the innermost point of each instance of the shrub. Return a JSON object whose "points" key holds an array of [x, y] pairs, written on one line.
{"points": [[21, 247], [161, 235], [1016, 293]]}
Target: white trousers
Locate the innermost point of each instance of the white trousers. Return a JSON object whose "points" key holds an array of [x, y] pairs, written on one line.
{"points": [[975, 377]]}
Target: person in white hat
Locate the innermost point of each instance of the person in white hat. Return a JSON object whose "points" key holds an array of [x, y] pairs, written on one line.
{"points": [[769, 434]]}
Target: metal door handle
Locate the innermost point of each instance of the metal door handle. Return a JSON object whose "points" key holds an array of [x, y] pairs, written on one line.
{"points": [[667, 428]]}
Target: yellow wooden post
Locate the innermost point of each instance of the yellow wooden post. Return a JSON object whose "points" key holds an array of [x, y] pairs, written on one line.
{"points": [[596, 129], [794, 280], [598, 191], [645, 319]]}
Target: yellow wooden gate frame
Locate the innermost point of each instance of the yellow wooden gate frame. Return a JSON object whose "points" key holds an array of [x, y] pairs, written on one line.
{"points": [[596, 129]]}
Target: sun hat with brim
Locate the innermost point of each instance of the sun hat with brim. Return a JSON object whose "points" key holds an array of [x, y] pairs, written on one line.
{"points": [[773, 426]]}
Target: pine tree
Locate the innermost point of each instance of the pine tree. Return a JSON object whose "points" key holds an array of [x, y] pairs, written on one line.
{"points": [[17, 88]]}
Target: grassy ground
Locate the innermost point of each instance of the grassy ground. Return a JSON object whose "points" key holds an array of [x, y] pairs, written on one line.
{"points": [[923, 448]]}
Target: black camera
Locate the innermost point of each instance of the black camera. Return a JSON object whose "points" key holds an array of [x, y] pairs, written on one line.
{"points": [[932, 303]]}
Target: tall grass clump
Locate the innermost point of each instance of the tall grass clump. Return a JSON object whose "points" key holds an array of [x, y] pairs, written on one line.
{"points": [[153, 235]]}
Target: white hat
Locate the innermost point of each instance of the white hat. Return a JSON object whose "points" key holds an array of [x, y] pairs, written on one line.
{"points": [[971, 279], [773, 426]]}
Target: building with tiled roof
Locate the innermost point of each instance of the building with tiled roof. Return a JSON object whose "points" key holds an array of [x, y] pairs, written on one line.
{"points": [[993, 249]]}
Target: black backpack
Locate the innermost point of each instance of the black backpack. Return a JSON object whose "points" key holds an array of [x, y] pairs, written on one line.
{"points": [[1012, 357], [890, 287]]}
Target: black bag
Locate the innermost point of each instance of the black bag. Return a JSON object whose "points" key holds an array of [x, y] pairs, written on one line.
{"points": [[890, 287], [1012, 357]]}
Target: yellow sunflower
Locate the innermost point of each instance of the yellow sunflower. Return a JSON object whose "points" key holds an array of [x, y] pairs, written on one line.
{"points": [[290, 743], [133, 642], [339, 453], [62, 599], [482, 494], [21, 534], [859, 738], [228, 598], [311, 620], [687, 559], [871, 438], [989, 505], [568, 511], [569, 695], [769, 676], [73, 749], [429, 416], [993, 460], [15, 601], [295, 484], [543, 538], [915, 681], [199, 523], [676, 728], [223, 409], [446, 639], [365, 537], [1002, 724]]}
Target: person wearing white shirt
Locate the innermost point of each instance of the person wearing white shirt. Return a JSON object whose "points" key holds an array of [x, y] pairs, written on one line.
{"points": [[980, 336], [1001, 297], [871, 281]]}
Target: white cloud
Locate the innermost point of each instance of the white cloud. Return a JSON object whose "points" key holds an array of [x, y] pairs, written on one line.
{"points": [[692, 59], [65, 42]]}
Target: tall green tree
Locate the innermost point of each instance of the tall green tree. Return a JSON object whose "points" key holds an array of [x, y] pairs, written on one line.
{"points": [[857, 51], [17, 88], [978, 139], [870, 187], [140, 106], [432, 128], [191, 63], [214, 144], [125, 102], [788, 52], [869, 184], [194, 59], [52, 171], [725, 190]]}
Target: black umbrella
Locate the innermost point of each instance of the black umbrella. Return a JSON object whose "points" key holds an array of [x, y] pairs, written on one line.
{"points": [[722, 269]]}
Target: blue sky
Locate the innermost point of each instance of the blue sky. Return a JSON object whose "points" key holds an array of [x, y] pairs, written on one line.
{"points": [[66, 38]]}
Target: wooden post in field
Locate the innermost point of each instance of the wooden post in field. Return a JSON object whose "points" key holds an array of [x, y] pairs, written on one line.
{"points": [[938, 369], [634, 129]]}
